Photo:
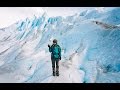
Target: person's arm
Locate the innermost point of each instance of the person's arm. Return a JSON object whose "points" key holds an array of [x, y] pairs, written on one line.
{"points": [[60, 52], [49, 48]]}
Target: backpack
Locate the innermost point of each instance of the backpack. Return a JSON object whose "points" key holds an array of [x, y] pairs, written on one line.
{"points": [[55, 51]]}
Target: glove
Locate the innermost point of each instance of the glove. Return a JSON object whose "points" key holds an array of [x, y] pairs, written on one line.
{"points": [[48, 45], [60, 58]]}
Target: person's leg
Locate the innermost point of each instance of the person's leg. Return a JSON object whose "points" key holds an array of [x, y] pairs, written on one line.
{"points": [[53, 66], [57, 67]]}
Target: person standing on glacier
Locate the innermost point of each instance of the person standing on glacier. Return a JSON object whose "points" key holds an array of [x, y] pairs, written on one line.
{"points": [[55, 51]]}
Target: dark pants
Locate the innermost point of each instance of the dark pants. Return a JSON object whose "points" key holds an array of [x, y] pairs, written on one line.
{"points": [[55, 62]]}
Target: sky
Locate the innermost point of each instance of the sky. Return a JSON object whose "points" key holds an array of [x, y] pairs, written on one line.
{"points": [[63, 11], [10, 15]]}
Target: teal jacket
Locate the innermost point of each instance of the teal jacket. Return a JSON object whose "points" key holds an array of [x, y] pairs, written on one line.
{"points": [[55, 51]]}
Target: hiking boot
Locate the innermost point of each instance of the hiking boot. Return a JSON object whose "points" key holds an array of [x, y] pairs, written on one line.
{"points": [[53, 73], [57, 73]]}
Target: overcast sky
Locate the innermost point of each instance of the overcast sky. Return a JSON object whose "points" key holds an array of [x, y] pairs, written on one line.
{"points": [[9, 15], [63, 11]]}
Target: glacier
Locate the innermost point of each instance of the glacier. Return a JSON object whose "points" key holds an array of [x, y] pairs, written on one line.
{"points": [[90, 48]]}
